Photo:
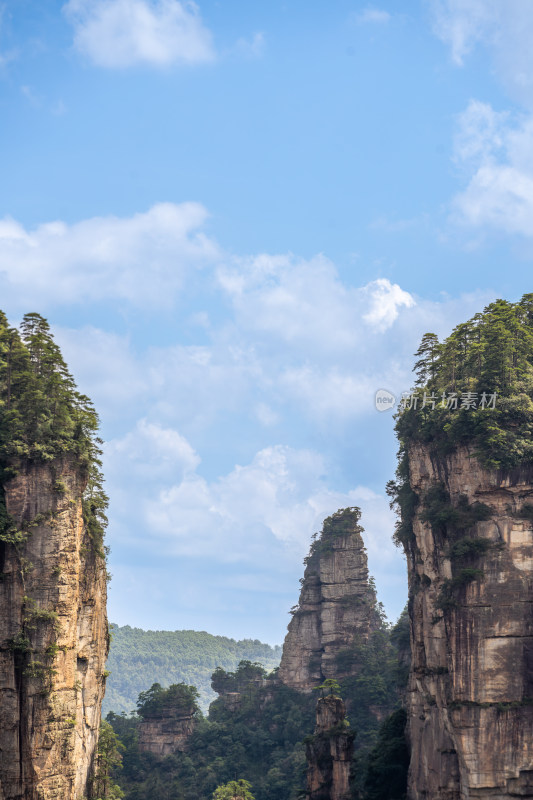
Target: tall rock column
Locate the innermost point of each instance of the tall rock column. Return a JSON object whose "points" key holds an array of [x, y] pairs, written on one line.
{"points": [[53, 636], [470, 563], [336, 604], [329, 753]]}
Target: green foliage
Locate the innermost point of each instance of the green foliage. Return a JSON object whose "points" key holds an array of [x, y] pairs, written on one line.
{"points": [[329, 687], [139, 658], [343, 522], [260, 739], [448, 519], [388, 762], [234, 790], [109, 759], [450, 588], [246, 673], [491, 353], [43, 417], [157, 701]]}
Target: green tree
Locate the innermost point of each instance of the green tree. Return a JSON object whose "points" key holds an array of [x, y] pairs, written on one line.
{"points": [[109, 758], [234, 790]]}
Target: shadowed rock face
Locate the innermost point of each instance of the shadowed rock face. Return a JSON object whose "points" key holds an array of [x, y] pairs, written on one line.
{"points": [[53, 639], [471, 685], [329, 753], [166, 733], [336, 603]]}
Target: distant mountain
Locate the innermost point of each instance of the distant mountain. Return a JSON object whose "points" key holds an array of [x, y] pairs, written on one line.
{"points": [[140, 658]]}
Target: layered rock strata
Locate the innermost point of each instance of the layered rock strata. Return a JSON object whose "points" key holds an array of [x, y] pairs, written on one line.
{"points": [[336, 604], [168, 732], [470, 569], [329, 753], [53, 637]]}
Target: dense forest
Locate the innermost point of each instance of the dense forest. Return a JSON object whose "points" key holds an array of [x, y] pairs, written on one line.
{"points": [[139, 658], [256, 731]]}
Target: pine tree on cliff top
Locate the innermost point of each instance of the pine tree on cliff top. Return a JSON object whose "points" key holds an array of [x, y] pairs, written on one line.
{"points": [[490, 354], [42, 414]]}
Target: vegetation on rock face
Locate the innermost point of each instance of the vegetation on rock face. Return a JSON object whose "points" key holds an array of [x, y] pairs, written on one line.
{"points": [[256, 728], [43, 417], [490, 354], [139, 658], [343, 522], [177, 699]]}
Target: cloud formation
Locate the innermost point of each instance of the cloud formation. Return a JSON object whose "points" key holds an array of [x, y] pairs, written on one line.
{"points": [[123, 33], [494, 150], [373, 16], [142, 259]]}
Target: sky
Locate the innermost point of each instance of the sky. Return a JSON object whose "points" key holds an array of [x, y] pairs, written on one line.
{"points": [[239, 219]]}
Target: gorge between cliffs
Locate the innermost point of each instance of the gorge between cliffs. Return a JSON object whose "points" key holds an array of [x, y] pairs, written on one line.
{"points": [[438, 706]]}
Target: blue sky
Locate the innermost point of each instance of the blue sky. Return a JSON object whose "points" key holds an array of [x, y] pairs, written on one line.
{"points": [[239, 219]]}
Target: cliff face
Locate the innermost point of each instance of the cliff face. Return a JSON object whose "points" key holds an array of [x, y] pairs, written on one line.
{"points": [[53, 637], [336, 603], [329, 753], [166, 733], [470, 568]]}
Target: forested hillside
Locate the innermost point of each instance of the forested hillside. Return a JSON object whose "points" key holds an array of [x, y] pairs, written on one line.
{"points": [[140, 658]]}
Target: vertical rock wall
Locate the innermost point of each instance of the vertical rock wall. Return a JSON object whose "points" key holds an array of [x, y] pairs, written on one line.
{"points": [[336, 604], [470, 696], [53, 638], [329, 753]]}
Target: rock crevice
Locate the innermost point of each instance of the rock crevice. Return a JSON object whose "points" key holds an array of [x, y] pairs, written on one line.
{"points": [[53, 637]]}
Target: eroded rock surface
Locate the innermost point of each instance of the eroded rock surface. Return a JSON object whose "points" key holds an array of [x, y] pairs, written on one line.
{"points": [[471, 609], [53, 638], [336, 604], [167, 733], [329, 753]]}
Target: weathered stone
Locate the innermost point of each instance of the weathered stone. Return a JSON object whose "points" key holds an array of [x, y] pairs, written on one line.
{"points": [[168, 732], [336, 604], [471, 685], [53, 601], [329, 753]]}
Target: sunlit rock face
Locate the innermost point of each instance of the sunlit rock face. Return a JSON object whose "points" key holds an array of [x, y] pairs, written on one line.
{"points": [[329, 753], [470, 697], [336, 604], [54, 638]]}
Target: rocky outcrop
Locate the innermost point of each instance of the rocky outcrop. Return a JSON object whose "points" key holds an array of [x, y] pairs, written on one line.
{"points": [[336, 604], [470, 562], [329, 753], [167, 732], [53, 636]]}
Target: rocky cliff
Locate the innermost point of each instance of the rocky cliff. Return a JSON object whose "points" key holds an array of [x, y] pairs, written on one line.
{"points": [[470, 563], [166, 733], [329, 753], [53, 635], [336, 604]]}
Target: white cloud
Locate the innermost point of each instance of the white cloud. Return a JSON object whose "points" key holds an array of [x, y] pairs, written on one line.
{"points": [[505, 28], [384, 300], [463, 23], [250, 48], [305, 304], [122, 33], [141, 259], [250, 515], [495, 151], [373, 16]]}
